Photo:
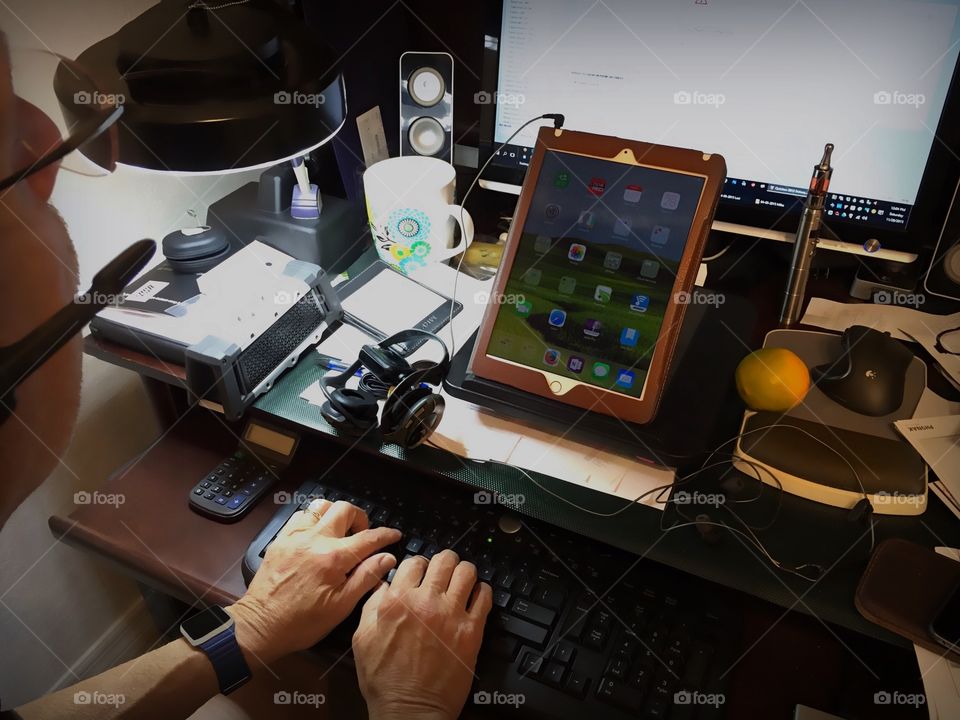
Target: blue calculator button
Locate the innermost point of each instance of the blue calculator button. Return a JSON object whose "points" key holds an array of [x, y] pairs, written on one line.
{"points": [[221, 500], [236, 502]]}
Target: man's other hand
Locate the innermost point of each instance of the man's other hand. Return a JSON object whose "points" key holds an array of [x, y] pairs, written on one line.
{"points": [[417, 643]]}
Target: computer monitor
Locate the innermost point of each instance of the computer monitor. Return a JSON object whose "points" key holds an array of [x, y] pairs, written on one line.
{"points": [[765, 83]]}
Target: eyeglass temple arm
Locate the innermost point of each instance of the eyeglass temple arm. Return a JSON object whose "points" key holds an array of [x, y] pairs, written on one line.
{"points": [[19, 360]]}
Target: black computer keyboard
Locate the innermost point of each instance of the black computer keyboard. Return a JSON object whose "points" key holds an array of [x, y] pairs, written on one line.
{"points": [[578, 629]]}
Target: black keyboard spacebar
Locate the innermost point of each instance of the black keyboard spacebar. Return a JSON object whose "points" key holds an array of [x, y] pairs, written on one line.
{"points": [[521, 628]]}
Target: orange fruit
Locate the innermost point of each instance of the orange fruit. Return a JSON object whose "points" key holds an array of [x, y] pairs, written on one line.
{"points": [[772, 379]]}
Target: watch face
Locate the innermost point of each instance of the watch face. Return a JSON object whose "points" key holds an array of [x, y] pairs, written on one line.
{"points": [[211, 620]]}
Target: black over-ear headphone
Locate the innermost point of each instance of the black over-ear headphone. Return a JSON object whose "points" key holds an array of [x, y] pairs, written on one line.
{"points": [[412, 410]]}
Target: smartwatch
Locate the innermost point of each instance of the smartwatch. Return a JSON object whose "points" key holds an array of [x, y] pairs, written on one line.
{"points": [[214, 632]]}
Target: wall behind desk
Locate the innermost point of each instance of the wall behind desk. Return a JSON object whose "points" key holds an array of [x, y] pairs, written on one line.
{"points": [[61, 611]]}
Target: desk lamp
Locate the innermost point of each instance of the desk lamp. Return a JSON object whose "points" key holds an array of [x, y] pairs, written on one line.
{"points": [[213, 88]]}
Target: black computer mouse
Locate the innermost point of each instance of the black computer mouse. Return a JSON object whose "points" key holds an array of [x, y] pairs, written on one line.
{"points": [[870, 374], [196, 249]]}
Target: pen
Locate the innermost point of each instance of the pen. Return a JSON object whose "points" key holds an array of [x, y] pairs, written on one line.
{"points": [[805, 243], [335, 365]]}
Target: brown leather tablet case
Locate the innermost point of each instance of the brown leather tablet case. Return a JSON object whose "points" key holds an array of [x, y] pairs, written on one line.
{"points": [[903, 589]]}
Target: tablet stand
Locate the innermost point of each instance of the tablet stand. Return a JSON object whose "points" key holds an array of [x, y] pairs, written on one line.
{"points": [[698, 410]]}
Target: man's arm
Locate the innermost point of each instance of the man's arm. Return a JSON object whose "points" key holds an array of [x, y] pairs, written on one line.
{"points": [[313, 575]]}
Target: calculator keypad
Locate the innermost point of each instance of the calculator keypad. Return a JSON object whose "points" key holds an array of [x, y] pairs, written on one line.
{"points": [[232, 487]]}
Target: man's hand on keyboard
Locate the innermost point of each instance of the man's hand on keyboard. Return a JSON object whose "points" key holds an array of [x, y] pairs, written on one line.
{"points": [[417, 643], [314, 573]]}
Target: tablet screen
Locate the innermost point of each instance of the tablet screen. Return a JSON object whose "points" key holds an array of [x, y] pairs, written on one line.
{"points": [[594, 268]]}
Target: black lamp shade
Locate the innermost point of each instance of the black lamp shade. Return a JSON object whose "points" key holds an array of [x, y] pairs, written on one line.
{"points": [[208, 90]]}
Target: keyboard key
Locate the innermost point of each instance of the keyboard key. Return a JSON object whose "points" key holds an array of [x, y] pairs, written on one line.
{"points": [[221, 500], [564, 652], [577, 684], [414, 545], [486, 573], [531, 665], [533, 634], [236, 501], [501, 598], [533, 612], [432, 549], [549, 596], [506, 580], [503, 646], [205, 484], [595, 638], [198, 491], [553, 674], [621, 695], [209, 496], [617, 669]]}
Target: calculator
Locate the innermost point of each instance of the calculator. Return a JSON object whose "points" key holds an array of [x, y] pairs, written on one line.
{"points": [[229, 490]]}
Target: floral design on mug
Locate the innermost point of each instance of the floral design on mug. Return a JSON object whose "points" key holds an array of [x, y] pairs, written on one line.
{"points": [[405, 236]]}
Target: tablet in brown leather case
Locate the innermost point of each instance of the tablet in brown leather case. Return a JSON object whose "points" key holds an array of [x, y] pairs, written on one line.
{"points": [[903, 589], [597, 272]]}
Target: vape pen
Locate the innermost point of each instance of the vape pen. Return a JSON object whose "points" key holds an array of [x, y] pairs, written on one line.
{"points": [[805, 243]]}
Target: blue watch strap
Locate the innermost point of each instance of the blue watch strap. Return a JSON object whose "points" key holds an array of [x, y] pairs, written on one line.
{"points": [[227, 660]]}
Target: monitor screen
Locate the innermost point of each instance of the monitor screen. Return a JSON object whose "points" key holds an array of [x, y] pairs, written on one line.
{"points": [[765, 83]]}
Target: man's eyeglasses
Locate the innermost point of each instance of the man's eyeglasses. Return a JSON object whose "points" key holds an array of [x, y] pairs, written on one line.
{"points": [[19, 360]]}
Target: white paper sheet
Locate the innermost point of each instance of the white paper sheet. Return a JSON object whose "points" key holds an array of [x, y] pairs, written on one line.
{"points": [[937, 440]]}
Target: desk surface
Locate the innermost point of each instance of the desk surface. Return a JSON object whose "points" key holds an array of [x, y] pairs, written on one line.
{"points": [[802, 531]]}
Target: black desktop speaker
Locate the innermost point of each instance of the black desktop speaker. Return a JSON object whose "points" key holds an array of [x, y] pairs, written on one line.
{"points": [[426, 104], [943, 277]]}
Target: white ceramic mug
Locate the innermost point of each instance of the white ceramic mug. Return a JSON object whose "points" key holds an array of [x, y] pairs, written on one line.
{"points": [[411, 212]]}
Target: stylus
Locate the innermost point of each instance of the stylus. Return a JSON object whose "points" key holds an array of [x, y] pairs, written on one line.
{"points": [[805, 243]]}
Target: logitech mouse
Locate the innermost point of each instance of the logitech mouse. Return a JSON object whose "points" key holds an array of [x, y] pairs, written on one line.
{"points": [[869, 375]]}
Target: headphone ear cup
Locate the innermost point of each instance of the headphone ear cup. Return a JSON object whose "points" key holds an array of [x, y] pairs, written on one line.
{"points": [[413, 418], [350, 411]]}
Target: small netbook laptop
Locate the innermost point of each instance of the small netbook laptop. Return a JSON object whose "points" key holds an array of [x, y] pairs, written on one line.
{"points": [[598, 269]]}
